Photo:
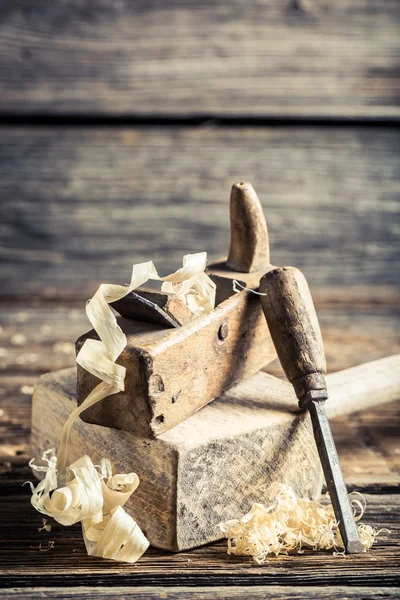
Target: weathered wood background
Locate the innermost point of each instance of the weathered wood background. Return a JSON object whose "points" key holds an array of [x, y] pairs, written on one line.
{"points": [[123, 126], [267, 57], [80, 205]]}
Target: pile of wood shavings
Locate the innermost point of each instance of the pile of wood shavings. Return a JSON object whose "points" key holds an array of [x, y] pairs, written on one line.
{"points": [[291, 524]]}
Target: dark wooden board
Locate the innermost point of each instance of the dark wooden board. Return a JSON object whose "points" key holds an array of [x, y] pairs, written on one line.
{"points": [[80, 205], [267, 58], [25, 564], [257, 592]]}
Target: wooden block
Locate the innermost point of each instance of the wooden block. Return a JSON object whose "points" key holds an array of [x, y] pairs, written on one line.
{"points": [[207, 469], [171, 373], [211, 467]]}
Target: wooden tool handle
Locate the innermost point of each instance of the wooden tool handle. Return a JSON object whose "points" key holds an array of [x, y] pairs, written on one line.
{"points": [[363, 387], [295, 331], [249, 250]]}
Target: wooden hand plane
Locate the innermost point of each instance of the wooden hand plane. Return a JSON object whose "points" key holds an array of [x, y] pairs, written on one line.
{"points": [[176, 364]]}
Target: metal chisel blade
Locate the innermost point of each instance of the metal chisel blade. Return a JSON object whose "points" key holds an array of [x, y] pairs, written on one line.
{"points": [[334, 478]]}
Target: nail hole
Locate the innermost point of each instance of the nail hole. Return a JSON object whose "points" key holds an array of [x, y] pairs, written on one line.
{"points": [[159, 420], [223, 331]]}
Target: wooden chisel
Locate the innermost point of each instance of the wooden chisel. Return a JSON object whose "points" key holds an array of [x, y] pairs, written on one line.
{"points": [[296, 334]]}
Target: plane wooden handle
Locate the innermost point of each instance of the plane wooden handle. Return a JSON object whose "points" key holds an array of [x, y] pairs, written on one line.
{"points": [[249, 250], [295, 331]]}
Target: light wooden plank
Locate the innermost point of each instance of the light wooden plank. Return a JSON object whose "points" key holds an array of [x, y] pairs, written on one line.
{"points": [[79, 206], [269, 58]]}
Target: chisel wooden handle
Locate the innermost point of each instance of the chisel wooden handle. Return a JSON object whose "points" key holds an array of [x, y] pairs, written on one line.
{"points": [[295, 331]]}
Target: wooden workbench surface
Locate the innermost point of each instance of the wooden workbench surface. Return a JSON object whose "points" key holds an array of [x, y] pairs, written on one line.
{"points": [[367, 444]]}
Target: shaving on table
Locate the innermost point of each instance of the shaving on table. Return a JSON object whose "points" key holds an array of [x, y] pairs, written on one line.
{"points": [[91, 494], [291, 524]]}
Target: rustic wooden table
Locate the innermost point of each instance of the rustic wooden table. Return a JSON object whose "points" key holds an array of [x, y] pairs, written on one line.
{"points": [[39, 564], [123, 126]]}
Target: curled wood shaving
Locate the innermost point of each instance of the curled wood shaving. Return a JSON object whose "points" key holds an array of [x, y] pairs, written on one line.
{"points": [[45, 527], [93, 497], [80, 499], [50, 546], [81, 492], [291, 524]]}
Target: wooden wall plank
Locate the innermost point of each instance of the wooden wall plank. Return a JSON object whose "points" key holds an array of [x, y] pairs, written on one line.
{"points": [[80, 205], [265, 58]]}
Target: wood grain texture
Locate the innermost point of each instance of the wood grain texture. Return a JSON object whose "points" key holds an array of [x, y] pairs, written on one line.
{"points": [[369, 462], [257, 592], [79, 206], [202, 471], [332, 202], [172, 373], [249, 248], [353, 333], [368, 456], [23, 564], [293, 323], [357, 325], [303, 58]]}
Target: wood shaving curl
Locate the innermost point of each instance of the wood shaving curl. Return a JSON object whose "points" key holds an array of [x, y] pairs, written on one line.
{"points": [[94, 497], [50, 546], [291, 524], [45, 527], [81, 492]]}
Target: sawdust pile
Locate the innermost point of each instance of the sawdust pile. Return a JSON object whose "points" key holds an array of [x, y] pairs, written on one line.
{"points": [[291, 524]]}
